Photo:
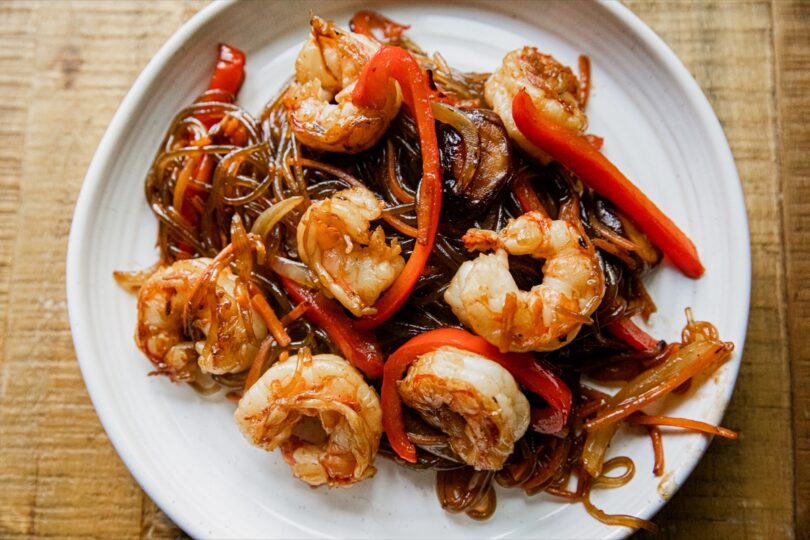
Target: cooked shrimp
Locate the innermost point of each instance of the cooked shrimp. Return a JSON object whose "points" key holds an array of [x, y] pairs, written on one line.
{"points": [[173, 346], [484, 296], [472, 399], [552, 86], [319, 100], [320, 412], [352, 262]]}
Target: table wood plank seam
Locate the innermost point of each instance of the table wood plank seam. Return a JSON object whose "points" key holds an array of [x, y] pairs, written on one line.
{"points": [[792, 54], [783, 292]]}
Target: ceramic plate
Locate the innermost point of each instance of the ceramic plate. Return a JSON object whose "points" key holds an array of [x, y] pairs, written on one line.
{"points": [[185, 450]]}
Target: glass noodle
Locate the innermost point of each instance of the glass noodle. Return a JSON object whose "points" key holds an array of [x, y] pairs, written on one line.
{"points": [[260, 180]]}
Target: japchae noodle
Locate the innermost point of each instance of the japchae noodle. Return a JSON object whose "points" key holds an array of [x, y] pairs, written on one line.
{"points": [[232, 188]]}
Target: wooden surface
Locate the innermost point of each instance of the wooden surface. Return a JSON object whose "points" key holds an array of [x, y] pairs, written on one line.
{"points": [[64, 68]]}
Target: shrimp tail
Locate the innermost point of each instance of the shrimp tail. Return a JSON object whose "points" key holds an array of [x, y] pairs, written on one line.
{"points": [[480, 240]]}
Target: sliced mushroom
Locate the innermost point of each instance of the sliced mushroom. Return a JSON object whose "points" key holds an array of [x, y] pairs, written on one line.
{"points": [[476, 158]]}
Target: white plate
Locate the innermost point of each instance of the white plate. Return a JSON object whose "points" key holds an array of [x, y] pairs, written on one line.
{"points": [[186, 451]]}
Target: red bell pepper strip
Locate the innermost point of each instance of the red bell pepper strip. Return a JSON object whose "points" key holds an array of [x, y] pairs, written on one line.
{"points": [[227, 78], [228, 75], [372, 91], [548, 420], [602, 176], [360, 348], [628, 332], [230, 70], [523, 367]]}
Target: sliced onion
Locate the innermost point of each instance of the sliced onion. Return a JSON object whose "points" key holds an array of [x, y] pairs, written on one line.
{"points": [[132, 281], [447, 114], [643, 246], [647, 387], [293, 270], [270, 217], [660, 380]]}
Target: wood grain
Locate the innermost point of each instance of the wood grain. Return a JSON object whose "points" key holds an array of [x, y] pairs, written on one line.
{"points": [[741, 487], [64, 68], [70, 65], [792, 54]]}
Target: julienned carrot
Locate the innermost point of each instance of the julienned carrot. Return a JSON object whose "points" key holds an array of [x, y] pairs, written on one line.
{"points": [[271, 321], [366, 22], [685, 423], [258, 363], [658, 449]]}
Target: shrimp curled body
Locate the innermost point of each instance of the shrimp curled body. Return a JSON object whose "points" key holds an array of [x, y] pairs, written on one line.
{"points": [[552, 87], [484, 295], [321, 413], [174, 344], [474, 400], [352, 262], [319, 101]]}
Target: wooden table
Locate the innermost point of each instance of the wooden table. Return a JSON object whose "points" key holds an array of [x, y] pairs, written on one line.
{"points": [[64, 68]]}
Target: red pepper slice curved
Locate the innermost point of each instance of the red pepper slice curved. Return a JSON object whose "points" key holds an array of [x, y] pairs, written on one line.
{"points": [[227, 78], [360, 348], [627, 331], [548, 420], [372, 91], [523, 367], [229, 71], [228, 75], [599, 173]]}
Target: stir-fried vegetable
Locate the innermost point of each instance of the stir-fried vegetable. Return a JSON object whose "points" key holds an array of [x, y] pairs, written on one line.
{"points": [[599, 173], [627, 331], [523, 367], [476, 159], [359, 347], [393, 63], [699, 352], [198, 170], [229, 72], [685, 423], [270, 217]]}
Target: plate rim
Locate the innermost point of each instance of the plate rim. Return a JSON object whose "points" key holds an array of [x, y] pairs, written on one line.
{"points": [[91, 190]]}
